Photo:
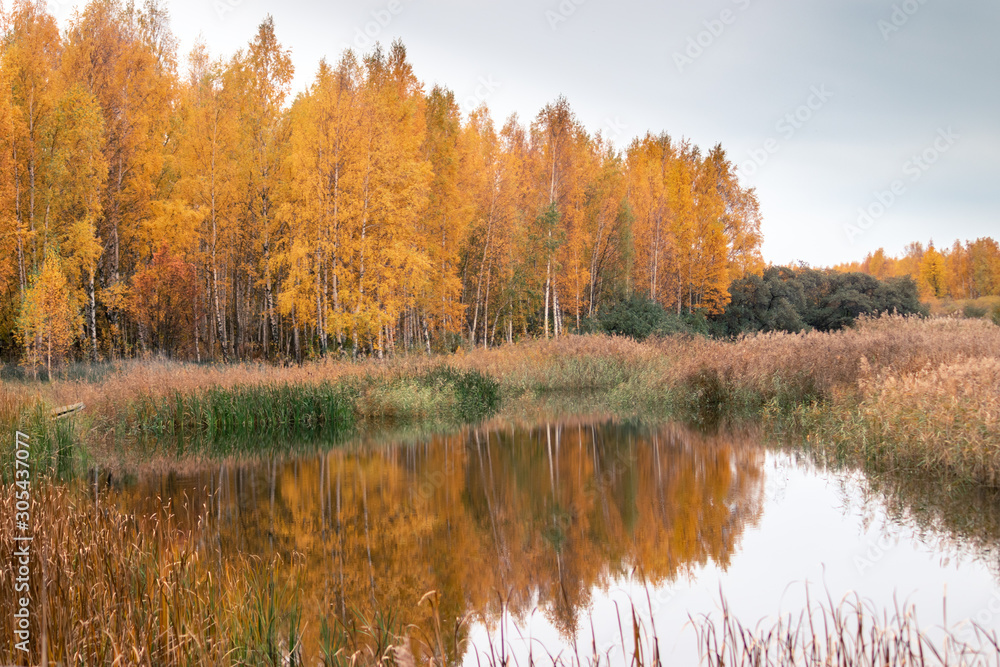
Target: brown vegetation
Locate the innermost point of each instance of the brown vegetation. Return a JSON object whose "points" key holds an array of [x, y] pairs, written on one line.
{"points": [[905, 392]]}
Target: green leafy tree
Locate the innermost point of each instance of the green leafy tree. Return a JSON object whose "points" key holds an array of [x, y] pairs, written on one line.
{"points": [[792, 300]]}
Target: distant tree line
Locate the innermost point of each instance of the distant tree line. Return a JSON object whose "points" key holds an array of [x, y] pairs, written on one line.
{"points": [[967, 270], [781, 299]]}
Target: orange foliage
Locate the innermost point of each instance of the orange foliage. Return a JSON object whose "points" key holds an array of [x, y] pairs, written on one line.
{"points": [[367, 215], [968, 271], [163, 301]]}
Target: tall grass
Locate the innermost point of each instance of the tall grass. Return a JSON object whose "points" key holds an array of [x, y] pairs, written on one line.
{"points": [[867, 391], [140, 410], [848, 633], [943, 418], [288, 410], [108, 587], [54, 443], [896, 393], [271, 410]]}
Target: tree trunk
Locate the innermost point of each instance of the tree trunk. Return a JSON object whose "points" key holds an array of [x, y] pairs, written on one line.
{"points": [[93, 318], [298, 349], [548, 272]]}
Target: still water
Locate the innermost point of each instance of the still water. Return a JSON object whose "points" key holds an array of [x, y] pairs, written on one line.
{"points": [[543, 538]]}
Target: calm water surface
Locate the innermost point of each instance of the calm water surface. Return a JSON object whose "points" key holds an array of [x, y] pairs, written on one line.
{"points": [[549, 533]]}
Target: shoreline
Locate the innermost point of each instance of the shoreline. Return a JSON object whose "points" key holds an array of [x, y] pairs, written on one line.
{"points": [[893, 394]]}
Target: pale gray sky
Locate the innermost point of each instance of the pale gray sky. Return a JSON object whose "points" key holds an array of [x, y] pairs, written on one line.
{"points": [[887, 80]]}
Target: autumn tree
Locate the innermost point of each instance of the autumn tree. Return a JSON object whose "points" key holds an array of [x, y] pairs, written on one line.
{"points": [[709, 278], [31, 60], [365, 214], [262, 75], [983, 267], [610, 221], [559, 151], [56, 166], [484, 179], [10, 285], [124, 57], [933, 276], [646, 168], [50, 320], [500, 276], [325, 175], [385, 265], [161, 299], [444, 225], [967, 270], [199, 220], [878, 265]]}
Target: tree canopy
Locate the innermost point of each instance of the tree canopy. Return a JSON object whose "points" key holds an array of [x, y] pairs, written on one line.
{"points": [[198, 210]]}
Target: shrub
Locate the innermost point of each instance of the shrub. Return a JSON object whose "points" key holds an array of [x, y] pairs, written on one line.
{"points": [[973, 310], [793, 300], [477, 394], [636, 317]]}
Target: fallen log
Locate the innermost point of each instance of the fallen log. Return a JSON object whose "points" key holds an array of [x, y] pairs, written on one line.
{"points": [[65, 410]]}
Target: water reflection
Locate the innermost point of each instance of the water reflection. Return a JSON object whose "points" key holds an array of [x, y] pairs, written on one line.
{"points": [[509, 516]]}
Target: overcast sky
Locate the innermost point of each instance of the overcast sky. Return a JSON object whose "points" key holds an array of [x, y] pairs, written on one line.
{"points": [[823, 104]]}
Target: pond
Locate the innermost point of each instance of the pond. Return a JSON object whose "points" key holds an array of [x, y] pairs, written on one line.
{"points": [[548, 538]]}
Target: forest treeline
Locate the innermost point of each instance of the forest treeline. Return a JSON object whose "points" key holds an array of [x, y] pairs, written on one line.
{"points": [[923, 280], [964, 271], [192, 207], [964, 278], [782, 298]]}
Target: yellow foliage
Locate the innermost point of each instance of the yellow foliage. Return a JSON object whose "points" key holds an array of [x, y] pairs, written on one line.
{"points": [[50, 319], [368, 214]]}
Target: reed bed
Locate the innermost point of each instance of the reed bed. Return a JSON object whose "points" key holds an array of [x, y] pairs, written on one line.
{"points": [[114, 588], [809, 363], [439, 393], [866, 391], [273, 410], [134, 414], [943, 418], [55, 443], [825, 362], [900, 394], [851, 633]]}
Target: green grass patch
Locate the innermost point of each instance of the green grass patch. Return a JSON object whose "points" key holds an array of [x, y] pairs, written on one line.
{"points": [[54, 445], [249, 417], [271, 410]]}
